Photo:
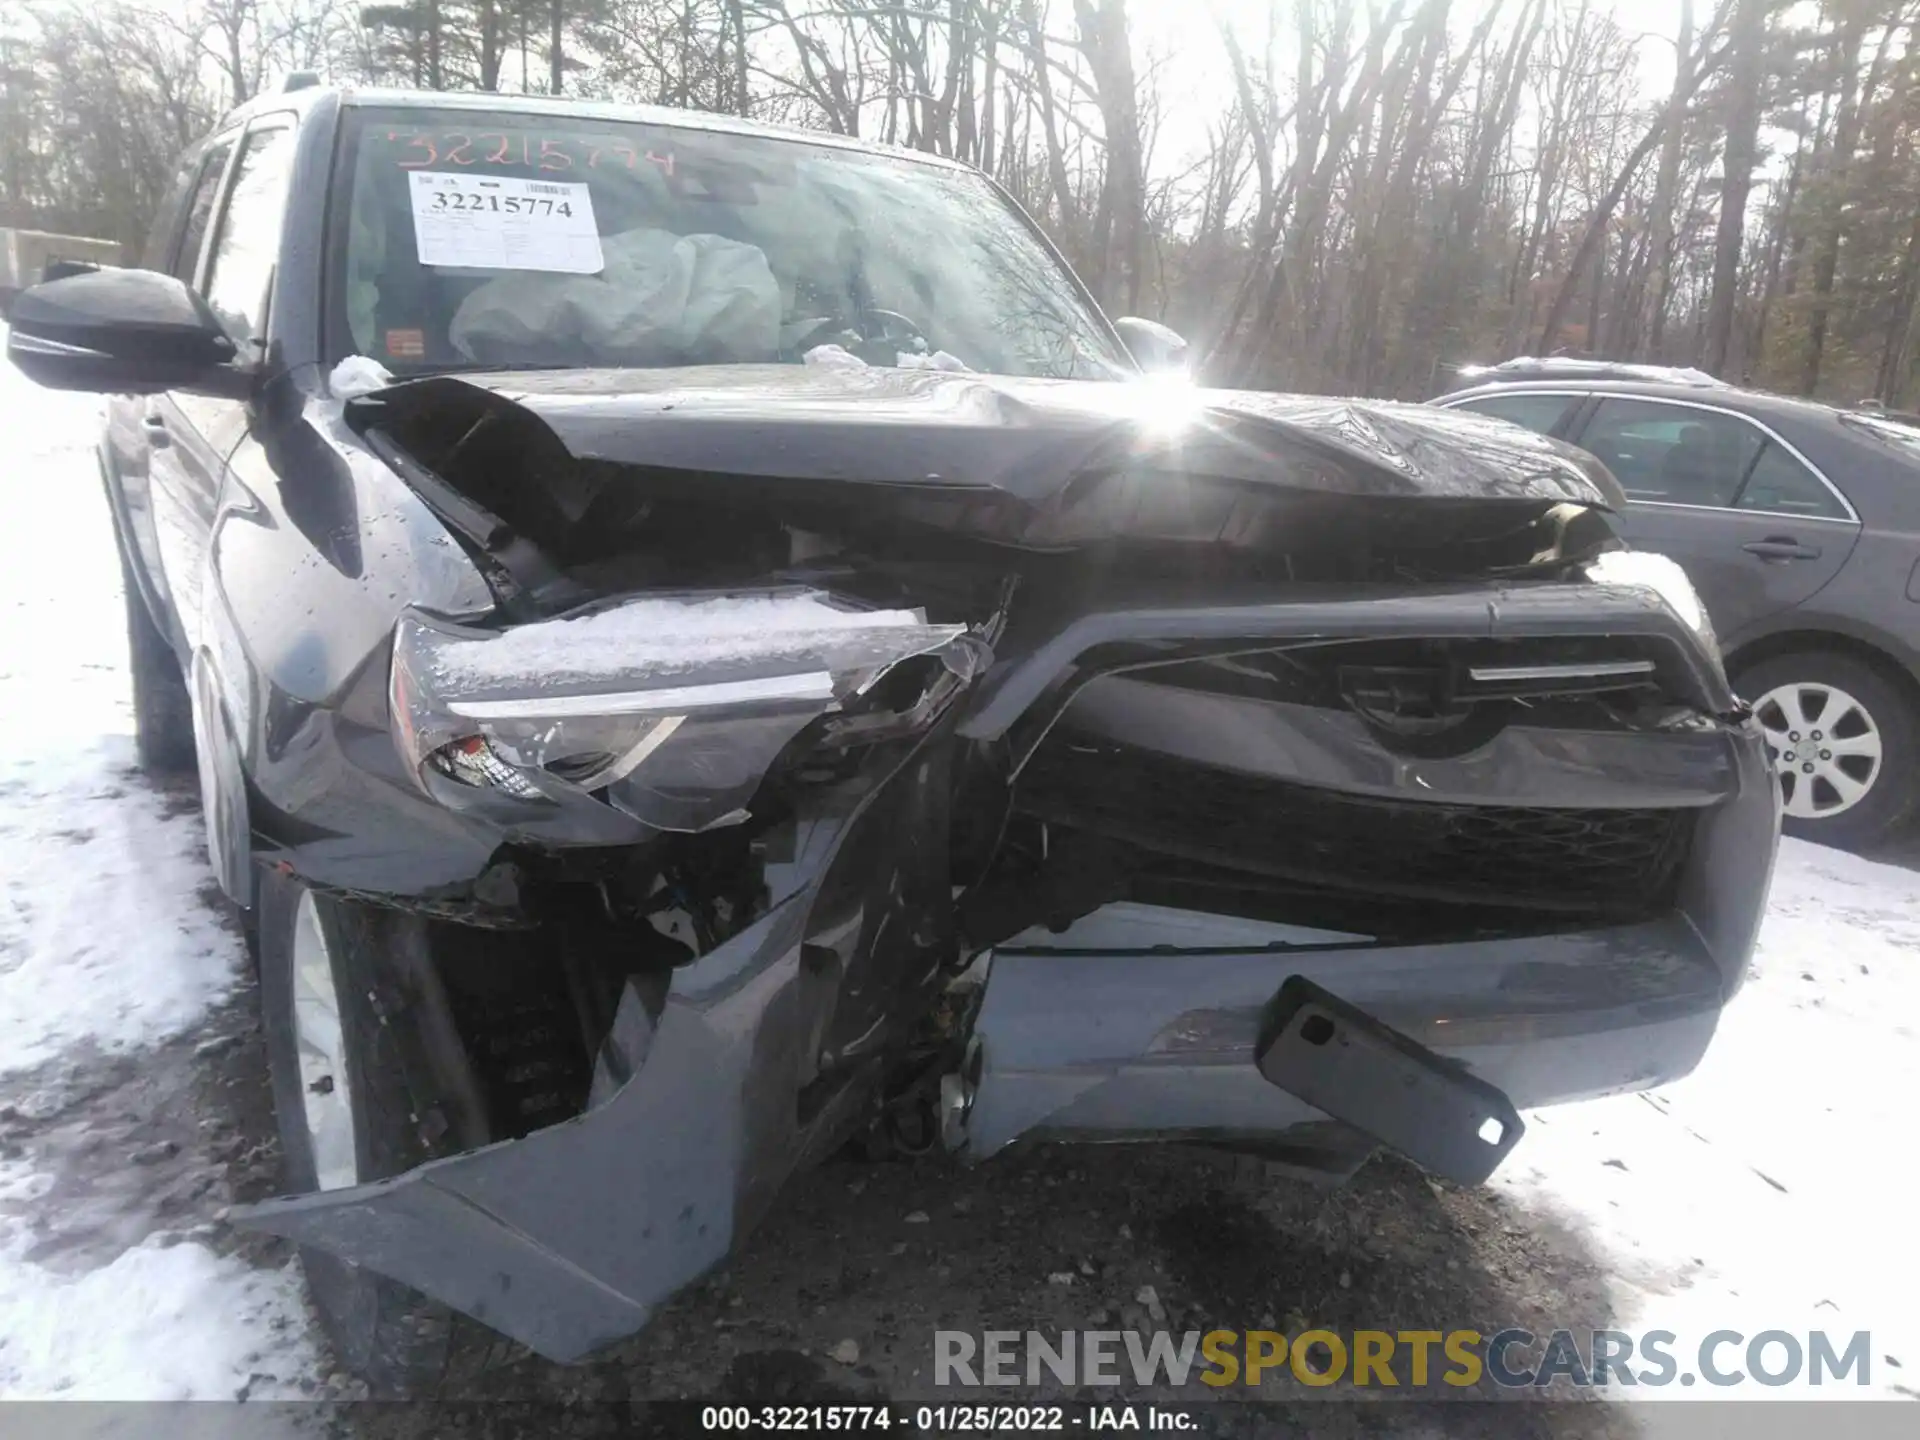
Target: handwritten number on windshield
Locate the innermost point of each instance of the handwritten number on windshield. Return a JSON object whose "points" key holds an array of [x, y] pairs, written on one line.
{"points": [[502, 154], [416, 143], [552, 152]]}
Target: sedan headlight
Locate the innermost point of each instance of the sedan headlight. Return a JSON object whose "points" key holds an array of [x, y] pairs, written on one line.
{"points": [[1665, 579], [670, 707]]}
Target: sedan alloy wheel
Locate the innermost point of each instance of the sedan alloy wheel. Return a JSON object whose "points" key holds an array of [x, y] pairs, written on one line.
{"points": [[1826, 747]]}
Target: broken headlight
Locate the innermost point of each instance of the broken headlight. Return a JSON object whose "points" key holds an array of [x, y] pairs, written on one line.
{"points": [[669, 708]]}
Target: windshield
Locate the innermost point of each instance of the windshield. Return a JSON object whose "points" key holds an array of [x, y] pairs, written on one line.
{"points": [[478, 240]]}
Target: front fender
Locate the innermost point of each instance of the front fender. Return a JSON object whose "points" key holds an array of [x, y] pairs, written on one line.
{"points": [[318, 547], [763, 1057]]}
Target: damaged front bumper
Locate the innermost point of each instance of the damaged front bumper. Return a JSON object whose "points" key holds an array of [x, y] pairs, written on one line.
{"points": [[570, 1238], [1134, 1022]]}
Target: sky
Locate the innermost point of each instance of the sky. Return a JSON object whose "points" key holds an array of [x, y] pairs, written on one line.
{"points": [[1179, 41], [1181, 35], [1181, 29]]}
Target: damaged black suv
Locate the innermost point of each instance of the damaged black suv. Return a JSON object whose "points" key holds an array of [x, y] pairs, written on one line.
{"points": [[701, 644]]}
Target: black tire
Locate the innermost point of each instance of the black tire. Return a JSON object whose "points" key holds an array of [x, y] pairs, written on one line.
{"points": [[1893, 787], [162, 709], [412, 1100]]}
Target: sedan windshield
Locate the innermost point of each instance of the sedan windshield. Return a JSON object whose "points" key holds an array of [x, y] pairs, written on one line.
{"points": [[511, 240]]}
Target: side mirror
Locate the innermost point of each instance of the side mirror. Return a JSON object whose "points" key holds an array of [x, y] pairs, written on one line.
{"points": [[121, 332], [1153, 345]]}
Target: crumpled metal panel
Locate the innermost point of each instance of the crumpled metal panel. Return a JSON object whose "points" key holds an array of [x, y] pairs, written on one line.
{"points": [[1127, 1046], [570, 1238], [1082, 1037], [1028, 439]]}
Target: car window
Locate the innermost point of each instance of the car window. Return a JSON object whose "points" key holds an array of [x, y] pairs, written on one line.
{"points": [[511, 239], [1780, 484], [186, 258], [248, 243], [1538, 413], [1672, 454], [156, 253]]}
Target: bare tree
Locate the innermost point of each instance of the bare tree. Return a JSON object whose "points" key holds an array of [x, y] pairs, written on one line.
{"points": [[1747, 45], [1369, 191], [1666, 186]]}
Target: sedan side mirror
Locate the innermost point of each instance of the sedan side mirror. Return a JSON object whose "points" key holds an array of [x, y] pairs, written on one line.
{"points": [[1155, 347], [120, 332]]}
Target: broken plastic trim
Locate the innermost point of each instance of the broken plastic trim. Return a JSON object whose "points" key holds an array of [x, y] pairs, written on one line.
{"points": [[1591, 670], [1664, 578], [668, 708]]}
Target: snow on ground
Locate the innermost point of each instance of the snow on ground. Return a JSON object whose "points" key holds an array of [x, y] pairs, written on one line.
{"points": [[167, 1319], [101, 936], [1774, 1188], [105, 946]]}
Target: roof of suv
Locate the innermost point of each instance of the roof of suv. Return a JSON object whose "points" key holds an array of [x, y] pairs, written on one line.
{"points": [[486, 100]]}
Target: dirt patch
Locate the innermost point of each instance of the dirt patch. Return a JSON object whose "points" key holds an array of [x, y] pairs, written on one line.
{"points": [[132, 1145], [842, 1291]]}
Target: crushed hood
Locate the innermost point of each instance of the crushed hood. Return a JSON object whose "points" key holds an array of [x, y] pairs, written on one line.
{"points": [[1031, 439], [584, 465]]}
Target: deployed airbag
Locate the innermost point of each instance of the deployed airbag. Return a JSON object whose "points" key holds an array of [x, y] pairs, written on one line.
{"points": [[663, 299]]}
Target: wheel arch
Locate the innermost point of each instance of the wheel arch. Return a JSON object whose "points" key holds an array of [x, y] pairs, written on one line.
{"points": [[1824, 642]]}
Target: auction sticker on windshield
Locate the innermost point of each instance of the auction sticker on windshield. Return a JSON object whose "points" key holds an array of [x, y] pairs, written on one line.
{"points": [[502, 223]]}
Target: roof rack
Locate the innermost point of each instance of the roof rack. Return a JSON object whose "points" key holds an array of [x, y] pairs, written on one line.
{"points": [[299, 80]]}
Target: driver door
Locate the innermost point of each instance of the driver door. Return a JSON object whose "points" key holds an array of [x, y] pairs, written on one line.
{"points": [[156, 452]]}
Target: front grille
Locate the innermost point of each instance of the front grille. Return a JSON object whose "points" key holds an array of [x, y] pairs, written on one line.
{"points": [[1607, 861]]}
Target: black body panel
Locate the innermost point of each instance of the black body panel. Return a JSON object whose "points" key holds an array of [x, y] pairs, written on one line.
{"points": [[1028, 437]]}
